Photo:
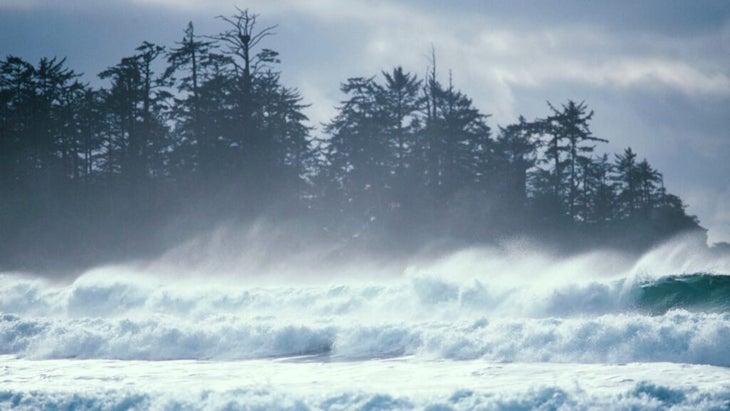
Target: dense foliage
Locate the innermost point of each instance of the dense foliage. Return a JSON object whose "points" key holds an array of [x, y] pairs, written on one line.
{"points": [[189, 136]]}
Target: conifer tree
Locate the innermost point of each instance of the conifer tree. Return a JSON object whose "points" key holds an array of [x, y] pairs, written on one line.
{"points": [[570, 126], [516, 148], [137, 99], [194, 58], [627, 182]]}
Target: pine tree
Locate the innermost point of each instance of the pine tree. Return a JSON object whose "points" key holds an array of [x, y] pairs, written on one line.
{"points": [[358, 150], [650, 186], [598, 195], [194, 58], [516, 148], [239, 43], [628, 183], [400, 102], [571, 125], [136, 101]]}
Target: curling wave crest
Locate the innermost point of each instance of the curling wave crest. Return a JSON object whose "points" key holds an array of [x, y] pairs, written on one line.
{"points": [[118, 315]]}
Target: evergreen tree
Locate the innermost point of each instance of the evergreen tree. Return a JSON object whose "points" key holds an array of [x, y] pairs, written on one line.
{"points": [[17, 95], [240, 41], [457, 142], [627, 183], [596, 201], [650, 186], [571, 126], [137, 100], [400, 102], [285, 151], [89, 120], [357, 151], [195, 57], [403, 158], [516, 147]]}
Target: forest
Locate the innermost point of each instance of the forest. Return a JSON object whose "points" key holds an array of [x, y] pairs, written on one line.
{"points": [[185, 137]]}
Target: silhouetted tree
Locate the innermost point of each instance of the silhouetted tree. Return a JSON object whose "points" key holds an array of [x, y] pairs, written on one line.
{"points": [[457, 141], [627, 182], [403, 159], [284, 152], [571, 126], [358, 151], [239, 41], [137, 100], [517, 146], [90, 123], [597, 197], [195, 57], [650, 186], [17, 94], [401, 102]]}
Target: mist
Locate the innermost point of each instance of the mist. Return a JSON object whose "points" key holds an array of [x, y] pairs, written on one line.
{"points": [[202, 136]]}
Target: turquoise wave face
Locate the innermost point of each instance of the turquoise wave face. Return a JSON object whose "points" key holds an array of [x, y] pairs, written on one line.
{"points": [[692, 292]]}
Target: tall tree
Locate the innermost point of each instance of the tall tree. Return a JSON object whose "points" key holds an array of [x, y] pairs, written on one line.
{"points": [[240, 42], [37, 125], [456, 140], [17, 94], [358, 151], [596, 200], [400, 102], [194, 58], [517, 146], [627, 182], [571, 124], [284, 149], [77, 109], [137, 100], [650, 186]]}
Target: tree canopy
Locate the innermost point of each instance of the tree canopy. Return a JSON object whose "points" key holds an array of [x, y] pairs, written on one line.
{"points": [[206, 130]]}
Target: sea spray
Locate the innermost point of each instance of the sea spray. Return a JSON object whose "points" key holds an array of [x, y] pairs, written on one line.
{"points": [[501, 328], [422, 315], [508, 304]]}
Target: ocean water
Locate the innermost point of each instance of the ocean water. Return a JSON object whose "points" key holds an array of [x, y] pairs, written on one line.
{"points": [[507, 329]]}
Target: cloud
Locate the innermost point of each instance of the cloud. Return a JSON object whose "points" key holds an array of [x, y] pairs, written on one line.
{"points": [[497, 56], [494, 59], [324, 109], [711, 204], [19, 4], [187, 5]]}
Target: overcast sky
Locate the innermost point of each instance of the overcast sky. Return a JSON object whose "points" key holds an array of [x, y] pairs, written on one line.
{"points": [[656, 72]]}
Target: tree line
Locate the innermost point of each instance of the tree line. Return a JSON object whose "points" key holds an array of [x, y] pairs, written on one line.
{"points": [[205, 128]]}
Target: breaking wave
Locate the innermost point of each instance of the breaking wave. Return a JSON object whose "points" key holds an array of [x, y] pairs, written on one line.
{"points": [[643, 395], [696, 292], [115, 314]]}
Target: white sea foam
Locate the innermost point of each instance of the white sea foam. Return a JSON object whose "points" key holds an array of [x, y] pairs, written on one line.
{"points": [[677, 337], [427, 313], [363, 385], [643, 396], [474, 329]]}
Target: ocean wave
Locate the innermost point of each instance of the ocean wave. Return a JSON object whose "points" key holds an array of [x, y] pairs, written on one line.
{"points": [[410, 297], [643, 395], [677, 336], [699, 292], [470, 305]]}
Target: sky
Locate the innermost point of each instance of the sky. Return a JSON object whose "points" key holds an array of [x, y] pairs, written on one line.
{"points": [[656, 72]]}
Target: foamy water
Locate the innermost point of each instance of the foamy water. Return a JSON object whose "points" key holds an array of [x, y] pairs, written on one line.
{"points": [[492, 329]]}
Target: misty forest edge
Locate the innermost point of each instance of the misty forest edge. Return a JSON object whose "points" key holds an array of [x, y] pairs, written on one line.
{"points": [[202, 133]]}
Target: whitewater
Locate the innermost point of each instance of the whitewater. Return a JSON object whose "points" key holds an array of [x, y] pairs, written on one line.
{"points": [[508, 328]]}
